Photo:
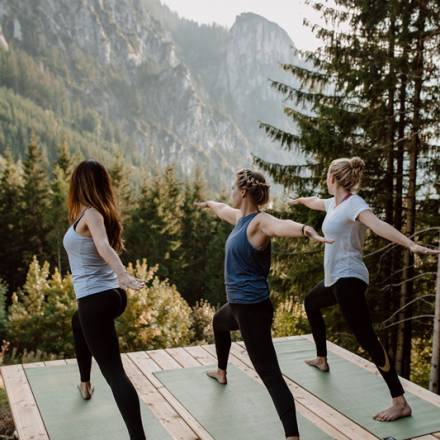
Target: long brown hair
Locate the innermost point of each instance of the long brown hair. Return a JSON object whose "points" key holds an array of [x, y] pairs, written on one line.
{"points": [[90, 185]]}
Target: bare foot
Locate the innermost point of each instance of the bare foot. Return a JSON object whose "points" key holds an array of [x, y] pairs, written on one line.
{"points": [[86, 390], [219, 376], [292, 438], [400, 408], [320, 363]]}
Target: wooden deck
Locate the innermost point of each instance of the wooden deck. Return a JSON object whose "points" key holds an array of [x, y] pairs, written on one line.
{"points": [[174, 417]]}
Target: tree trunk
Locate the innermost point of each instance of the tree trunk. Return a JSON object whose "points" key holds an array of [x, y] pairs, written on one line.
{"points": [[403, 355], [390, 266], [400, 151], [434, 378]]}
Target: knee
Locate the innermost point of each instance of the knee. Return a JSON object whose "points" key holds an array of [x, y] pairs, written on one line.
{"points": [[368, 340]]}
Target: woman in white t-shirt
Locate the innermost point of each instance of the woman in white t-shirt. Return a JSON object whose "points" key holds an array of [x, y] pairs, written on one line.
{"points": [[346, 276]]}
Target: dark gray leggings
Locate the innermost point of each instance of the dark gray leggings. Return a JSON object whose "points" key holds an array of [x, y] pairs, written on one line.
{"points": [[254, 322], [349, 293], [94, 335]]}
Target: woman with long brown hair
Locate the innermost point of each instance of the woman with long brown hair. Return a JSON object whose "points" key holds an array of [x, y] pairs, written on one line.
{"points": [[249, 308], [92, 243]]}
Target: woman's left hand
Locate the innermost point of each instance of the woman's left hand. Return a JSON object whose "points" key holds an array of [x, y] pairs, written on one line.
{"points": [[311, 233], [127, 281], [417, 249]]}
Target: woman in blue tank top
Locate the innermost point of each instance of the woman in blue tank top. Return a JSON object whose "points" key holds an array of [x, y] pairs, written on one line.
{"points": [[248, 307], [99, 277]]}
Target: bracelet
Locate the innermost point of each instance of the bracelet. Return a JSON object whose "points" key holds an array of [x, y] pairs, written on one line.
{"points": [[302, 230]]}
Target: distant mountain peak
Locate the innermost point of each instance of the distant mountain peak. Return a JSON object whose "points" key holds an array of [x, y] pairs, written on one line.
{"points": [[253, 19]]}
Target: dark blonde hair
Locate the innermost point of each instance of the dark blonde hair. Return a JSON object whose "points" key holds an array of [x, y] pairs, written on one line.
{"points": [[255, 185], [90, 185], [348, 172]]}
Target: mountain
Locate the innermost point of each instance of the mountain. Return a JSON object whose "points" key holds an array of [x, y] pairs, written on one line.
{"points": [[131, 77]]}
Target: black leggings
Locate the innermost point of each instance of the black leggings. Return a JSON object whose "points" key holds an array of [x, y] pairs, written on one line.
{"points": [[254, 322], [349, 293], [95, 335]]}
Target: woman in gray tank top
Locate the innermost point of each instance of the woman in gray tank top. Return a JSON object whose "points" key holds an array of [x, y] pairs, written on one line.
{"points": [[346, 277], [249, 309], [99, 278]]}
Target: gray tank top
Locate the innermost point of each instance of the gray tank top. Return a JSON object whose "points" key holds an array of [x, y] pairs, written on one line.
{"points": [[90, 273]]}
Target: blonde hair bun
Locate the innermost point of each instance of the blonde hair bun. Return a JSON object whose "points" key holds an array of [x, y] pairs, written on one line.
{"points": [[348, 172], [357, 163]]}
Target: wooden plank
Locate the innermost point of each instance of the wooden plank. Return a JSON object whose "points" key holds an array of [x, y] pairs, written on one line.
{"points": [[27, 417], [163, 359], [33, 365], [147, 365], [141, 359], [182, 357], [417, 390], [202, 356], [158, 405], [317, 407]]}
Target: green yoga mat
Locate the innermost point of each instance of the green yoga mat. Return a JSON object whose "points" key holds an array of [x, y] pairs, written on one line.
{"points": [[68, 417], [240, 410], [355, 392]]}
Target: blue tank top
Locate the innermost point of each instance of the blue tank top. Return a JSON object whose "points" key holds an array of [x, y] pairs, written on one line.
{"points": [[246, 268], [90, 273]]}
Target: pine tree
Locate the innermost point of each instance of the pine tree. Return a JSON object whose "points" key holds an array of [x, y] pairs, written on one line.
{"points": [[154, 229], [33, 207], [57, 216], [120, 175], [11, 183]]}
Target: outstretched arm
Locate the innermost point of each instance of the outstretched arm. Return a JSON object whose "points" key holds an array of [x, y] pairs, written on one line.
{"points": [[314, 203], [390, 233], [95, 223], [275, 227], [221, 210]]}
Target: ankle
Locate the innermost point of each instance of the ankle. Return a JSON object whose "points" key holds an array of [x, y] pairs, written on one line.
{"points": [[400, 401]]}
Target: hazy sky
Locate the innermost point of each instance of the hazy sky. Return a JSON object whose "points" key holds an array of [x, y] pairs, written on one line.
{"points": [[289, 14]]}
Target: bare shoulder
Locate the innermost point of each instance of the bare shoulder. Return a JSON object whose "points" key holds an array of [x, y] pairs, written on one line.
{"points": [[93, 215], [262, 218]]}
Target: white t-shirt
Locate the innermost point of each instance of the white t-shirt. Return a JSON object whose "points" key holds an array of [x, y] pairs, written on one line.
{"points": [[343, 258]]}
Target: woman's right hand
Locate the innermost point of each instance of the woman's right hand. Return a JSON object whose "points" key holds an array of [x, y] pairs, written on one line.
{"points": [[311, 233], [127, 281]]}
